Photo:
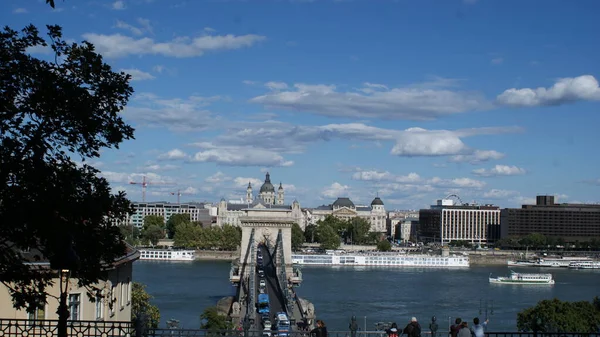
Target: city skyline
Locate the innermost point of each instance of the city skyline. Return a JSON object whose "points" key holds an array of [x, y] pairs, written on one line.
{"points": [[411, 101]]}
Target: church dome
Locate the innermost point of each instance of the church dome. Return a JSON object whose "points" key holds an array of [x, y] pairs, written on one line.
{"points": [[377, 201], [267, 186], [343, 202]]}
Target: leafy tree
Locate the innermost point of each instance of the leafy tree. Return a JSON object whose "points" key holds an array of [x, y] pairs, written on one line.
{"points": [[231, 237], [358, 230], [297, 237], [533, 240], [187, 235], [558, 316], [153, 220], [310, 233], [131, 234], [328, 237], [175, 220], [153, 234], [384, 246], [51, 112], [339, 226], [212, 319], [142, 308]]}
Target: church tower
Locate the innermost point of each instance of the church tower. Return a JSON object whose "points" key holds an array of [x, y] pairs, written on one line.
{"points": [[267, 191], [280, 195], [249, 193]]}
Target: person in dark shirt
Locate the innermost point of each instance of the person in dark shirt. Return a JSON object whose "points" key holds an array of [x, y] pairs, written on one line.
{"points": [[456, 327], [320, 330], [393, 331]]}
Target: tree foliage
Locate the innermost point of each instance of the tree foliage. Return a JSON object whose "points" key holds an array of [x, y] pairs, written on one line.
{"points": [[328, 237], [153, 220], [131, 234], [358, 231], [212, 319], [50, 112], [152, 234], [355, 231], [561, 316], [384, 246], [297, 237], [310, 233], [175, 220], [141, 308], [193, 235]]}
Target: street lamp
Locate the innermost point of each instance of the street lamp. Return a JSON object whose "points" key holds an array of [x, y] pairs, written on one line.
{"points": [[64, 260]]}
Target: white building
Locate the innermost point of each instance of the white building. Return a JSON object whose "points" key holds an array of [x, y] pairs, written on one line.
{"points": [[267, 204], [345, 209], [197, 212], [446, 222]]}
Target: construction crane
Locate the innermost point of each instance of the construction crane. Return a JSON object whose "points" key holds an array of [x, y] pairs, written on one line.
{"points": [[145, 184], [179, 194]]}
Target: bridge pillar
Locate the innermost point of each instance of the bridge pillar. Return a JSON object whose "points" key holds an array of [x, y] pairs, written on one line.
{"points": [[266, 230]]}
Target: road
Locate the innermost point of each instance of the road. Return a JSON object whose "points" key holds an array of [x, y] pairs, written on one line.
{"points": [[276, 300]]}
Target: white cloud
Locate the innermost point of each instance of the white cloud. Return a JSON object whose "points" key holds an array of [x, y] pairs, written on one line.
{"points": [[374, 101], [276, 85], [373, 175], [132, 29], [138, 75], [500, 170], [335, 190], [157, 167], [209, 30], [175, 154], [118, 5], [248, 82], [20, 10], [497, 60], [421, 142], [158, 68], [456, 182], [217, 178], [238, 155], [126, 178], [117, 45], [42, 50], [242, 183], [565, 90], [478, 156], [499, 194], [176, 114]]}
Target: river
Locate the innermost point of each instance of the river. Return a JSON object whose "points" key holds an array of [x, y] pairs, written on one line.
{"points": [[182, 290]]}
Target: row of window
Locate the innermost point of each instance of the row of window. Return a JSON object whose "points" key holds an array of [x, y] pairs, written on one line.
{"points": [[76, 308]]}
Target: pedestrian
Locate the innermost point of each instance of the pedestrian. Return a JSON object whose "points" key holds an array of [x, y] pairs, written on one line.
{"points": [[393, 330], [413, 329], [353, 326], [455, 327], [478, 330], [464, 330], [320, 330], [433, 327]]}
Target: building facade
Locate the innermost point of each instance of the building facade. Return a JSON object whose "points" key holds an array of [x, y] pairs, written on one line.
{"points": [[267, 204], [571, 222], [116, 289], [446, 222], [197, 211], [344, 208]]}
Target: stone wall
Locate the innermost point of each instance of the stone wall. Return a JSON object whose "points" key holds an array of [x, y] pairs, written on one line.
{"points": [[217, 255]]}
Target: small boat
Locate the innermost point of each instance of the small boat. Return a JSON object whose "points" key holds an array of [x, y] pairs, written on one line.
{"points": [[523, 278]]}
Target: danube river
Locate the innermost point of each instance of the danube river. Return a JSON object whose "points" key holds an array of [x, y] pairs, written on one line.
{"points": [[182, 290]]}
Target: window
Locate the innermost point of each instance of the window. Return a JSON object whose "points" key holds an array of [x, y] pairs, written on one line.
{"points": [[99, 307], [113, 300], [74, 307], [38, 314]]}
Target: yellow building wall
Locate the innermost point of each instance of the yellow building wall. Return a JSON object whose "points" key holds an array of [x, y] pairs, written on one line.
{"points": [[117, 286]]}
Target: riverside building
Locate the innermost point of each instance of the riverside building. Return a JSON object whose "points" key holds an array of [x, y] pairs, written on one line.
{"points": [[571, 222], [344, 208], [197, 211], [447, 221]]}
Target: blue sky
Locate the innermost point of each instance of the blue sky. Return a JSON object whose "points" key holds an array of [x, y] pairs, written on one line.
{"points": [[495, 101]]}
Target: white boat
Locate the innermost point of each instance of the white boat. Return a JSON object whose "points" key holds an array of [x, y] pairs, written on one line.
{"points": [[167, 254], [585, 265], [521, 263], [563, 262], [523, 278], [380, 259]]}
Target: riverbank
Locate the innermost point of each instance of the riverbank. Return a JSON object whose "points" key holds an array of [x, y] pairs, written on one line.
{"points": [[213, 255]]}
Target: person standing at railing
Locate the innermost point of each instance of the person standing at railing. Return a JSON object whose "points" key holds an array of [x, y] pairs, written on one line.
{"points": [[353, 326], [433, 327], [320, 330], [464, 330], [413, 329], [478, 330], [455, 327], [393, 331]]}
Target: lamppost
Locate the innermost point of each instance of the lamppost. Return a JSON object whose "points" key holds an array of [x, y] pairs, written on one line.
{"points": [[65, 260]]}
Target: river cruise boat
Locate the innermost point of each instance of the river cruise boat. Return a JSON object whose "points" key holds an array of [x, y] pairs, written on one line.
{"points": [[522, 278], [547, 262], [585, 265], [167, 254], [380, 259]]}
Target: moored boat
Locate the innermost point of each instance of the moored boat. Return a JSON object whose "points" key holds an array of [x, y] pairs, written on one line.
{"points": [[380, 259], [585, 265], [523, 278], [167, 254]]}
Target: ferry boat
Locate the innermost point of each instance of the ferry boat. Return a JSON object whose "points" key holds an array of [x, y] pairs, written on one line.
{"points": [[563, 262], [380, 259], [585, 265], [167, 254], [522, 278]]}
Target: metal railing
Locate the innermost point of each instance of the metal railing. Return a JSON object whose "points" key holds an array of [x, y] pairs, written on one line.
{"points": [[250, 309], [48, 328]]}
